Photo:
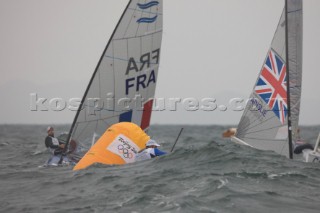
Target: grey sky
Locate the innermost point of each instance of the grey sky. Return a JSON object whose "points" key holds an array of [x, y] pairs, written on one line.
{"points": [[211, 48]]}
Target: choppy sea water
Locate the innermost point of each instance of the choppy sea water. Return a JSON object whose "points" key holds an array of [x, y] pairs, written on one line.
{"points": [[205, 173]]}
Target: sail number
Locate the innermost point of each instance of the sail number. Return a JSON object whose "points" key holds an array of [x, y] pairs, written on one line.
{"points": [[142, 81]]}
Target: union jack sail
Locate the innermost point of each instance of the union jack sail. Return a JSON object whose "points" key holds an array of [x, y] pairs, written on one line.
{"points": [[272, 85]]}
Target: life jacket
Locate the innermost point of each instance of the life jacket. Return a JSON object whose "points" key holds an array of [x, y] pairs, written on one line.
{"points": [[55, 142]]}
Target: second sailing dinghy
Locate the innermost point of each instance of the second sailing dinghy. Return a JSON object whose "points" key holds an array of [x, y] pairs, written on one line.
{"points": [[271, 117], [123, 84]]}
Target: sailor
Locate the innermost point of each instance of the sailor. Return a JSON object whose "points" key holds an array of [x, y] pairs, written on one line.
{"points": [[151, 151], [229, 133], [52, 143], [300, 144]]}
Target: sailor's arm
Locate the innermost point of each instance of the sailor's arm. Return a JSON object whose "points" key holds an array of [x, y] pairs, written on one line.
{"points": [[158, 152]]}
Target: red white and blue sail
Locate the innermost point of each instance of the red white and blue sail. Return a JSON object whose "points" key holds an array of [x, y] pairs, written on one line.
{"points": [[272, 85]]}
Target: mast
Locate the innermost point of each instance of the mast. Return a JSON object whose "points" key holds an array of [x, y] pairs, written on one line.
{"points": [[91, 80], [288, 83]]}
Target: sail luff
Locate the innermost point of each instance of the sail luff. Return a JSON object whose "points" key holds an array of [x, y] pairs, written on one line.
{"points": [[295, 34], [92, 78], [288, 84]]}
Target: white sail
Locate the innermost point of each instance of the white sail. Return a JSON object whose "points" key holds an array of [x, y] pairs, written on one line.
{"points": [[123, 84], [264, 123]]}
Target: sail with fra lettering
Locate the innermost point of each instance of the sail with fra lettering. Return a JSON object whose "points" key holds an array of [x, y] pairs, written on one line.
{"points": [[270, 119], [122, 87]]}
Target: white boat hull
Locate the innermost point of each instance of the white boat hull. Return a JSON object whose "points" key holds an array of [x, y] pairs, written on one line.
{"points": [[311, 156]]}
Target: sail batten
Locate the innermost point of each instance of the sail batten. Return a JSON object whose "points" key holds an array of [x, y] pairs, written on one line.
{"points": [[276, 94]]}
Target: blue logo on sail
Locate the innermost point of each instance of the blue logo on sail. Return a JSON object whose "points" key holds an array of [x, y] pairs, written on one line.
{"points": [[148, 5], [147, 20], [144, 7]]}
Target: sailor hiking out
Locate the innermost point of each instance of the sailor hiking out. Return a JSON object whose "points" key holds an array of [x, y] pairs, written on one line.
{"points": [[52, 143]]}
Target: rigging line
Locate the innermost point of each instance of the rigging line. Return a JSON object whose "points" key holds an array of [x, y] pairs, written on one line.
{"points": [[295, 87], [150, 12], [176, 140], [95, 130], [99, 88], [279, 23], [295, 11], [125, 32], [138, 30], [144, 35], [85, 106], [263, 122], [101, 119], [114, 77], [127, 40], [82, 130], [248, 108], [275, 127], [144, 100], [149, 17], [153, 13], [107, 123], [252, 125], [121, 59], [141, 46], [127, 43], [283, 146], [149, 88], [138, 24], [264, 139], [244, 114]]}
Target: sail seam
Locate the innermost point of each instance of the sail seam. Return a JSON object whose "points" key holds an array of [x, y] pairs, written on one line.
{"points": [[153, 13], [264, 139], [295, 11], [263, 130], [145, 35], [130, 21], [121, 59]]}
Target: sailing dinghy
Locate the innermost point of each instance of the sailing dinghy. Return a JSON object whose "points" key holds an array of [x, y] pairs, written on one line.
{"points": [[123, 84], [313, 155], [270, 119]]}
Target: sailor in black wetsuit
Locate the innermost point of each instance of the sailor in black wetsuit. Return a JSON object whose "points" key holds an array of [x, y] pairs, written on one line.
{"points": [[52, 143]]}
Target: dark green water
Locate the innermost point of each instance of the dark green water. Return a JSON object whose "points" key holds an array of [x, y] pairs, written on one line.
{"points": [[204, 174]]}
